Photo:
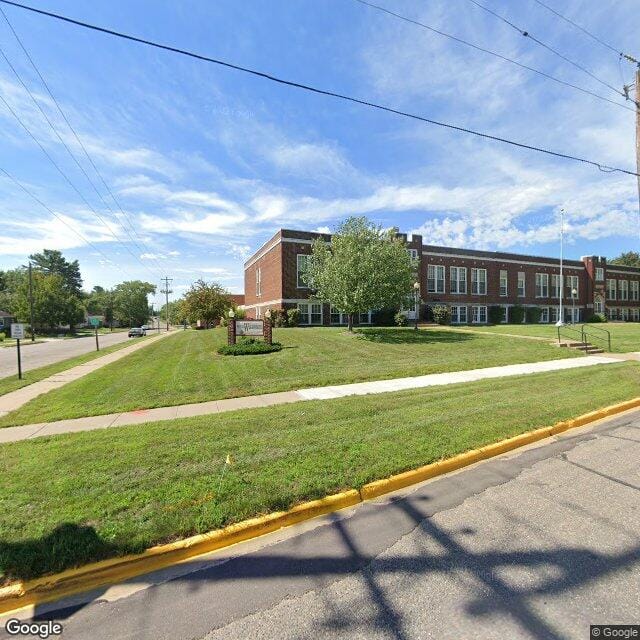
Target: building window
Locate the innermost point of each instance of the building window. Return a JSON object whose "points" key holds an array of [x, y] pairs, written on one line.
{"points": [[635, 290], [623, 287], [458, 279], [624, 314], [635, 314], [310, 312], [479, 314], [521, 284], [458, 315], [413, 253], [544, 314], [572, 283], [364, 318], [599, 274], [301, 264], [598, 305], [337, 317], [505, 315], [542, 285], [435, 278], [554, 311], [555, 286], [479, 282], [503, 283], [611, 289], [258, 281]]}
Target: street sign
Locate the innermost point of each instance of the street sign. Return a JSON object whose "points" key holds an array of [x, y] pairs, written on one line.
{"points": [[249, 328], [94, 321], [17, 331]]}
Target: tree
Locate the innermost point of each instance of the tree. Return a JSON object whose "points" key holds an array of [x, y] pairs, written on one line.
{"points": [[206, 302], [10, 282], [100, 302], [53, 262], [53, 303], [628, 259], [130, 302], [364, 268]]}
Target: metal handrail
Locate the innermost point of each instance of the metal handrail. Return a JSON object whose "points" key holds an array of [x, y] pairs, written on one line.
{"points": [[586, 328], [564, 327]]}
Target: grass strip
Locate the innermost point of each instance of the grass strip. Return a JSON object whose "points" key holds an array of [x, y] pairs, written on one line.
{"points": [[75, 498], [11, 383], [188, 368]]}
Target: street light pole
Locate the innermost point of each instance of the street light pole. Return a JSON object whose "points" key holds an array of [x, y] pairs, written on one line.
{"points": [[574, 293], [416, 300]]}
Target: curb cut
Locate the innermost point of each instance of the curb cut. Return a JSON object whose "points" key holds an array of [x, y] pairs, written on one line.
{"points": [[72, 581]]}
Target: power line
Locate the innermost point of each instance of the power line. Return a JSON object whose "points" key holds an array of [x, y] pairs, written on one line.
{"points": [[316, 90], [64, 144], [492, 53], [77, 137], [68, 181], [526, 34], [60, 218], [577, 26]]}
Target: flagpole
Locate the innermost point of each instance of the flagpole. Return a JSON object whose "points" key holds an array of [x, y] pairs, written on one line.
{"points": [[561, 317]]}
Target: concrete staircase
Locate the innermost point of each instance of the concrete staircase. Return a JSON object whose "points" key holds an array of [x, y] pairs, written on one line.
{"points": [[587, 347]]}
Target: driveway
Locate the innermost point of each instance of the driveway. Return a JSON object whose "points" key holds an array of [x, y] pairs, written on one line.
{"points": [[44, 353], [536, 544]]}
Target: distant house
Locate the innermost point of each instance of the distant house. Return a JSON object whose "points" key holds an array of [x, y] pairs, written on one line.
{"points": [[6, 319]]}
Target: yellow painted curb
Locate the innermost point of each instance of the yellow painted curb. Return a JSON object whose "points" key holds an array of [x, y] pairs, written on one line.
{"points": [[115, 570], [90, 576]]}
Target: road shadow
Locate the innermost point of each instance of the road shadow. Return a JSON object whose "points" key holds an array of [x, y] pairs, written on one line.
{"points": [[389, 335]]}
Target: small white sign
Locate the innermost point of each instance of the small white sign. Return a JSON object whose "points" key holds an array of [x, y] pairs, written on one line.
{"points": [[17, 331], [249, 328]]}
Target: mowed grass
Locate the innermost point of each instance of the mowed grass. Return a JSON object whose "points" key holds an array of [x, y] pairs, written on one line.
{"points": [[11, 383], [625, 336], [74, 498], [186, 368]]}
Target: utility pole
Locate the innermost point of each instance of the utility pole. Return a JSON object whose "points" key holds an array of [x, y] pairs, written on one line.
{"points": [[561, 316], [625, 91], [166, 291], [33, 328]]}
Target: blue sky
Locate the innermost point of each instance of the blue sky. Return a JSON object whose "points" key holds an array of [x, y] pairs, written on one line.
{"points": [[208, 162]]}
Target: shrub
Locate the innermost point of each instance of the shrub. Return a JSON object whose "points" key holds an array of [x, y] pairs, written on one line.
{"points": [[441, 314], [293, 317], [240, 314], [384, 317], [517, 314], [597, 317], [495, 315], [278, 317], [248, 346], [3, 335], [533, 315], [400, 319]]}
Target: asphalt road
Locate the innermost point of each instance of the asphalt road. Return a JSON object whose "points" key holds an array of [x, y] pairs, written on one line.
{"points": [[44, 353], [537, 544]]}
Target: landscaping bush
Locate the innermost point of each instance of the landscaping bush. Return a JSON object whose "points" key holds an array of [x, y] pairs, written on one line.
{"points": [[517, 314], [3, 335], [278, 318], [533, 315], [400, 319], [247, 347], [384, 317], [293, 317], [441, 314], [597, 317], [240, 314], [495, 315]]}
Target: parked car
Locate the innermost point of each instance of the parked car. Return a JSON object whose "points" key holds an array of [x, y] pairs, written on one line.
{"points": [[145, 327], [137, 332]]}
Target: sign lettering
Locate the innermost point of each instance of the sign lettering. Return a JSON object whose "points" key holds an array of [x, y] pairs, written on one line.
{"points": [[249, 328]]}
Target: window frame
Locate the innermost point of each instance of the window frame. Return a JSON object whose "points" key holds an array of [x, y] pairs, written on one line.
{"points": [[542, 287], [436, 268], [522, 280], [504, 288], [460, 282], [477, 281], [478, 307], [299, 283]]}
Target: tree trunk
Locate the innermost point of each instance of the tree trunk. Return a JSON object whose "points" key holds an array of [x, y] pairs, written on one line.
{"points": [[350, 322]]}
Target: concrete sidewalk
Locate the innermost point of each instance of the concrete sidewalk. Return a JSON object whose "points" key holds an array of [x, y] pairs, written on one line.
{"points": [[12, 434], [15, 399]]}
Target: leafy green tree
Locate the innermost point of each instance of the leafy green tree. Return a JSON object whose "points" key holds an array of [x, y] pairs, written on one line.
{"points": [[131, 303], [207, 302], [364, 268], [53, 303], [10, 282], [53, 262], [628, 259], [100, 302]]}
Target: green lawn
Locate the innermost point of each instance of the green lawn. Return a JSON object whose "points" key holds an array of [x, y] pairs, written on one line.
{"points": [[70, 499], [12, 383], [187, 368], [625, 336]]}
